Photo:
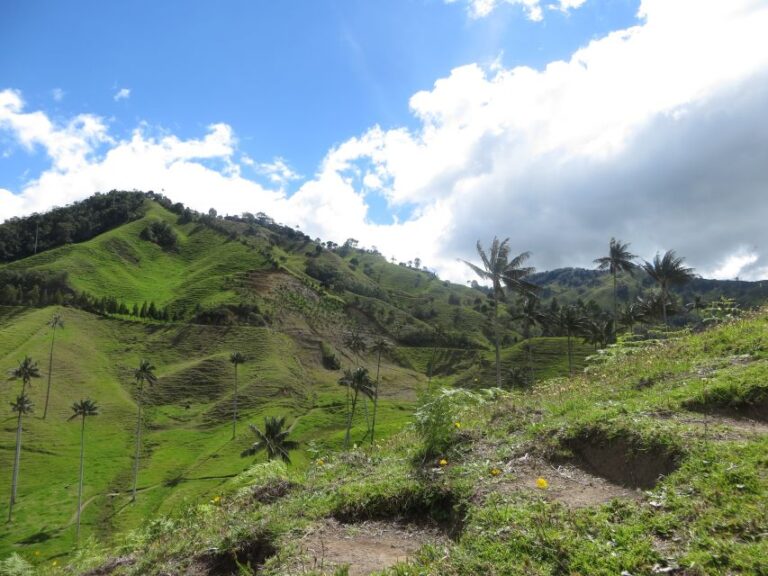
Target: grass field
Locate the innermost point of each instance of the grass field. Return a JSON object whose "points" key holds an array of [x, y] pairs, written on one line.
{"points": [[187, 446], [646, 464]]}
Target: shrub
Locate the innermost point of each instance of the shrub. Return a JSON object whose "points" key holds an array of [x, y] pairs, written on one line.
{"points": [[160, 232]]}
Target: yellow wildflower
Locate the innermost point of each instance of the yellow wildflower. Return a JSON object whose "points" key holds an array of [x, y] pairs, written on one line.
{"points": [[216, 500], [542, 483], [37, 552], [495, 471], [443, 463], [457, 424], [320, 461]]}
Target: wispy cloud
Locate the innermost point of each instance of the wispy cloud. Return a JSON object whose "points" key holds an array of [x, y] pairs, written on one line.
{"points": [[57, 94], [278, 171], [532, 8], [122, 94]]}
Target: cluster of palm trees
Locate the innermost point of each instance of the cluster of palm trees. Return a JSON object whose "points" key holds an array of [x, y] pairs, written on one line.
{"points": [[273, 438], [358, 382], [508, 275], [22, 406]]}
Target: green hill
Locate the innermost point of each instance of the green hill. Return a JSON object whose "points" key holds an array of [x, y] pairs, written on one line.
{"points": [[647, 464], [185, 290]]}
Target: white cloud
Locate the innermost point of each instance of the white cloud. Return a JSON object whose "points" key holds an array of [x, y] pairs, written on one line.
{"points": [[278, 171], [654, 135], [58, 94], [532, 8], [122, 94]]}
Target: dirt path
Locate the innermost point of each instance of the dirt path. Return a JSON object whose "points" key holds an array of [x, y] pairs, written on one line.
{"points": [[568, 484], [720, 427], [364, 547]]}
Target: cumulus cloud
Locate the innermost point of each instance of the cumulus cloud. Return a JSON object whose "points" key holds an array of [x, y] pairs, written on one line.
{"points": [[654, 135], [532, 8], [122, 94]]}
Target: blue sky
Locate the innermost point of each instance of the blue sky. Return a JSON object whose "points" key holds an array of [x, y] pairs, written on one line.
{"points": [[386, 121]]}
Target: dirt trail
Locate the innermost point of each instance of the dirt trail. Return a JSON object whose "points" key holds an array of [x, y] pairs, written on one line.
{"points": [[720, 427], [365, 547], [568, 484]]}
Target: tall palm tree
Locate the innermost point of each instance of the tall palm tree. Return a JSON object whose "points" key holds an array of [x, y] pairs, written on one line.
{"points": [[630, 315], [81, 410], [22, 406], [571, 322], [358, 381], [667, 271], [145, 373], [619, 259], [380, 346], [25, 371], [500, 272], [530, 314], [54, 322], [273, 439], [236, 358]]}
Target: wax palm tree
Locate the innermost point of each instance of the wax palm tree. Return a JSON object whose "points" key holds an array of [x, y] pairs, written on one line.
{"points": [[22, 406], [598, 332], [667, 271], [500, 272], [54, 322], [359, 382], [81, 410], [630, 315], [619, 259], [26, 370], [380, 346], [357, 343], [145, 373], [236, 358], [571, 322], [273, 439], [529, 314]]}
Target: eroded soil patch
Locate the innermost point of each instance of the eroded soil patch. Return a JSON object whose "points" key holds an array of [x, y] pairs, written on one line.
{"points": [[623, 459], [426, 506], [250, 554], [365, 547], [567, 484]]}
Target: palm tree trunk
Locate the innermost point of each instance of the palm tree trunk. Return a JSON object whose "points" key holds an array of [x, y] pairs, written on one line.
{"points": [[234, 412], [615, 301], [376, 397], [570, 356], [664, 305], [349, 418], [138, 444], [16, 461], [496, 341], [349, 421], [50, 372], [80, 486]]}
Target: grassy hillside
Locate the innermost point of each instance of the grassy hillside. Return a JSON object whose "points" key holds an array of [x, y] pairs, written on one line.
{"points": [[188, 449], [119, 263], [651, 463]]}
